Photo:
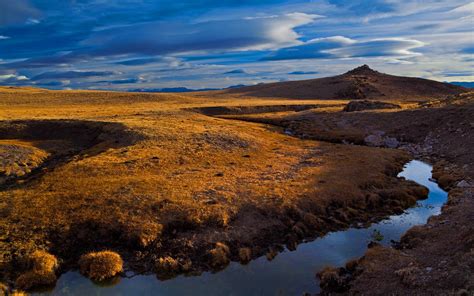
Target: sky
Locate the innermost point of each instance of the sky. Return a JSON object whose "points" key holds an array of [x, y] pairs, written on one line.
{"points": [[146, 45]]}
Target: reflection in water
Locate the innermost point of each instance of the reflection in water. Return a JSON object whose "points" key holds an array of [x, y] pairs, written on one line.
{"points": [[290, 273]]}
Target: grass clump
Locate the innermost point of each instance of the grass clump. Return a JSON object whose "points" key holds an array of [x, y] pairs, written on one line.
{"points": [[42, 271], [331, 280], [101, 265], [3, 289], [167, 267], [245, 255], [219, 255]]}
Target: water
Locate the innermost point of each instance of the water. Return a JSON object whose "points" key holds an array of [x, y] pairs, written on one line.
{"points": [[290, 273]]}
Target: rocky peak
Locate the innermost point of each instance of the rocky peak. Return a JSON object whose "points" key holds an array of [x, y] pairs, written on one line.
{"points": [[362, 70]]}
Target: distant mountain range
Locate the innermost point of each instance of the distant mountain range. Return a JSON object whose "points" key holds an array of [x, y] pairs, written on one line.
{"points": [[464, 84], [180, 89]]}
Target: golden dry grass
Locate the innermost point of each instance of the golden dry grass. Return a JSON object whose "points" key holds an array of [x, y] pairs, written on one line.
{"points": [[101, 265], [151, 175], [42, 268]]}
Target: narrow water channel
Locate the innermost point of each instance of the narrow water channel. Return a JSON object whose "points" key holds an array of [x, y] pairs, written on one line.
{"points": [[290, 273]]}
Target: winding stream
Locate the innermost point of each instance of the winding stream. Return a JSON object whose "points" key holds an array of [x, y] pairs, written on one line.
{"points": [[290, 273]]}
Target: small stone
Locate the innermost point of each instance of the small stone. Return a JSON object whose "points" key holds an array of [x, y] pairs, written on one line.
{"points": [[391, 142], [463, 184], [373, 140]]}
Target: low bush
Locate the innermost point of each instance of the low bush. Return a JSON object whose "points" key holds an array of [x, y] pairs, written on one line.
{"points": [[101, 265]]}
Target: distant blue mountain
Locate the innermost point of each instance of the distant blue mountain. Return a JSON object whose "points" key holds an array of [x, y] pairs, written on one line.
{"points": [[180, 89], [464, 84]]}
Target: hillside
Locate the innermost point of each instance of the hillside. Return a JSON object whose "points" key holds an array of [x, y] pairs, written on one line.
{"points": [[359, 83]]}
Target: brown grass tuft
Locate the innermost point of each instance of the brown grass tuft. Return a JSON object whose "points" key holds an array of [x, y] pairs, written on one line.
{"points": [[18, 293], [167, 266], [331, 280], [245, 255], [408, 275], [3, 289], [144, 234], [33, 279], [42, 271], [43, 261], [351, 265], [101, 265], [219, 255]]}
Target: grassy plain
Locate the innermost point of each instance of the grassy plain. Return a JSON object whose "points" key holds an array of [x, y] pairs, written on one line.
{"points": [[151, 177]]}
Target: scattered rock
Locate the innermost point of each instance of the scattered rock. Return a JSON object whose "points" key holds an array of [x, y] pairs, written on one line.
{"points": [[374, 140], [391, 142], [463, 184]]}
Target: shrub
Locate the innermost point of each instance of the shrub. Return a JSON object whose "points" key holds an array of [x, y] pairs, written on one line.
{"points": [[42, 271], [167, 265], [351, 265], [330, 279], [3, 289], [43, 261], [34, 278], [271, 254], [101, 265], [245, 255], [408, 275], [219, 255]]}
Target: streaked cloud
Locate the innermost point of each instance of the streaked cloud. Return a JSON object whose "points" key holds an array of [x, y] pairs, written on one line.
{"points": [[72, 74], [130, 44]]}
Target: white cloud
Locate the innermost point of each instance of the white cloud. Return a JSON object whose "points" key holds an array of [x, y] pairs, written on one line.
{"points": [[159, 38], [378, 47], [12, 78], [343, 47]]}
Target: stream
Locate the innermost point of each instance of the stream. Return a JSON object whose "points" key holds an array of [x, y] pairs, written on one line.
{"points": [[290, 273]]}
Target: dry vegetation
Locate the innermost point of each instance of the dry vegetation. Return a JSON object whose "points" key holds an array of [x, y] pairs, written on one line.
{"points": [[101, 265], [172, 189]]}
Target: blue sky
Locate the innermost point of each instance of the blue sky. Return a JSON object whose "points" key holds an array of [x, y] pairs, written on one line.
{"points": [[144, 44]]}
